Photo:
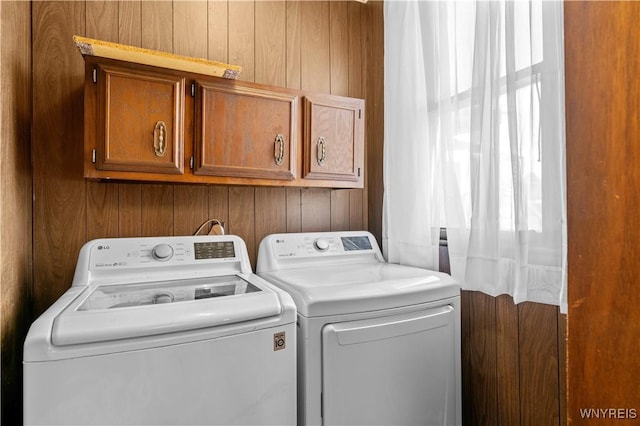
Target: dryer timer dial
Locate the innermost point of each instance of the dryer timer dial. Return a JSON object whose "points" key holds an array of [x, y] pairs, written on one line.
{"points": [[321, 244]]}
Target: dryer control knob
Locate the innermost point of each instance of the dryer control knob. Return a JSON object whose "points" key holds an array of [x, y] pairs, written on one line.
{"points": [[162, 252], [322, 244]]}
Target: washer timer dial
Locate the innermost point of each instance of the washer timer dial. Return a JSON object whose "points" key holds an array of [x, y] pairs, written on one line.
{"points": [[162, 252]]}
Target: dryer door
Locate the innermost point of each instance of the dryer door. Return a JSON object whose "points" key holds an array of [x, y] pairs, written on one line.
{"points": [[394, 370]]}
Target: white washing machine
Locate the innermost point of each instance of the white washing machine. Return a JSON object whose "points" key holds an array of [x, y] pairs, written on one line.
{"points": [[163, 331], [378, 343]]}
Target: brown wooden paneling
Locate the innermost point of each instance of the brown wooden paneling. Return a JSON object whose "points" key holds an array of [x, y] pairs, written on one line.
{"points": [[16, 278], [59, 190], [316, 210], [129, 210], [340, 210], [242, 37], [130, 22], [538, 346], [602, 47], [271, 43], [512, 368], [508, 358], [340, 45], [218, 31], [102, 210], [271, 212], [242, 217], [157, 210], [315, 52], [294, 210], [294, 29]]}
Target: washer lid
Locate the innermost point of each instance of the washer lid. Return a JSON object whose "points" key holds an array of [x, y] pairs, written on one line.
{"points": [[112, 312], [370, 286]]}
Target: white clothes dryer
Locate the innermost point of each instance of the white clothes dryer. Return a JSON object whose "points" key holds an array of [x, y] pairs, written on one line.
{"points": [[378, 343], [163, 331]]}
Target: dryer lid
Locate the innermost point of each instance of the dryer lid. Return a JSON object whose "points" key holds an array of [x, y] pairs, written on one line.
{"points": [[112, 312], [362, 287]]}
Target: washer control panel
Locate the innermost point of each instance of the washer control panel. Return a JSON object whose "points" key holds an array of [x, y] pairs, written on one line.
{"points": [[128, 253]]}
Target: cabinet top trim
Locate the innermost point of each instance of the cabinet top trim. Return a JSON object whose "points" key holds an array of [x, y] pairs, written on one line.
{"points": [[105, 49]]}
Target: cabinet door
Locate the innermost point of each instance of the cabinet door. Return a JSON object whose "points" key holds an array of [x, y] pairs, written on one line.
{"points": [[334, 138], [244, 131], [140, 121]]}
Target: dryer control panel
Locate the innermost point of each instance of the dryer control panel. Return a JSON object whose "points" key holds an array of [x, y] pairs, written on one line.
{"points": [[331, 246]]}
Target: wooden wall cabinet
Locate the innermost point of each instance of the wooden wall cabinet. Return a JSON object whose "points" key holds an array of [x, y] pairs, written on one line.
{"points": [[334, 138], [140, 120], [245, 132], [152, 124]]}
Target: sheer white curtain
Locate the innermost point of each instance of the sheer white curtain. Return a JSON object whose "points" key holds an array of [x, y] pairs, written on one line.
{"points": [[474, 142]]}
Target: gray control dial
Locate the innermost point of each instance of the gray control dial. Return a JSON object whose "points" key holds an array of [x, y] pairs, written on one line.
{"points": [[162, 252], [321, 244]]}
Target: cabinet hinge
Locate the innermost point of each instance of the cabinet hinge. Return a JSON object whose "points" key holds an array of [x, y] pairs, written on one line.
{"points": [[94, 76], [93, 156], [358, 171], [191, 163], [193, 90], [359, 114]]}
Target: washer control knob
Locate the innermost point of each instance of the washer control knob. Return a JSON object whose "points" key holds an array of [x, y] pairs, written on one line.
{"points": [[322, 244], [162, 252]]}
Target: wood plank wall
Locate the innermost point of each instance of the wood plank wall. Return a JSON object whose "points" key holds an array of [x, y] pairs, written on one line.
{"points": [[15, 193], [602, 44], [316, 45], [513, 362]]}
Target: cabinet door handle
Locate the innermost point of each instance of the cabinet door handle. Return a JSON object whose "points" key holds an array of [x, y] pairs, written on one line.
{"points": [[322, 150], [160, 138], [279, 149]]}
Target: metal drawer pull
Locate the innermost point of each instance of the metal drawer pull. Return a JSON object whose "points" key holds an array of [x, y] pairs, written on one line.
{"points": [[322, 150], [279, 149], [160, 138]]}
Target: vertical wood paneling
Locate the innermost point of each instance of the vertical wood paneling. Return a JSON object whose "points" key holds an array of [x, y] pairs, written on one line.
{"points": [[339, 47], [294, 29], [157, 25], [130, 22], [242, 37], [242, 217], [218, 30], [16, 279], [189, 27], [157, 210], [271, 212], [271, 43], [294, 210], [508, 361], [102, 210], [602, 47], [219, 204], [538, 330], [480, 360], [340, 210], [129, 210], [316, 210], [59, 190], [315, 57], [191, 208]]}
